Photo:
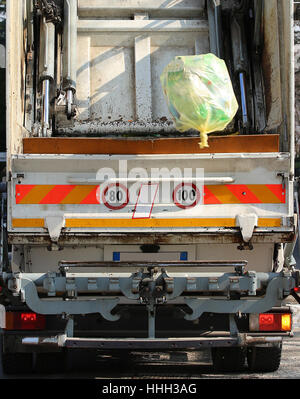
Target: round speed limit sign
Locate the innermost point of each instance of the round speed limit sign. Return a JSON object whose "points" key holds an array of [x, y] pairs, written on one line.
{"points": [[186, 195], [115, 196]]}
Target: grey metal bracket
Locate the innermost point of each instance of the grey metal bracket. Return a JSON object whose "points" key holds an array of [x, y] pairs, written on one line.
{"points": [[258, 305], [142, 287], [104, 306]]}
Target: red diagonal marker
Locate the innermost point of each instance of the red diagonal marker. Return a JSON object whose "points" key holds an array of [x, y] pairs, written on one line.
{"points": [[144, 204]]}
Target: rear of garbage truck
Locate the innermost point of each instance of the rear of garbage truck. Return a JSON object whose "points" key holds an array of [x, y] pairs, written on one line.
{"points": [[118, 231]]}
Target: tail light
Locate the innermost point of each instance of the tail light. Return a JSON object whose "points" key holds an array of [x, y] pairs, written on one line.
{"points": [[270, 322], [24, 321]]}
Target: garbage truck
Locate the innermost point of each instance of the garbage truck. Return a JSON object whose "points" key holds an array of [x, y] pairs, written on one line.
{"points": [[119, 232]]}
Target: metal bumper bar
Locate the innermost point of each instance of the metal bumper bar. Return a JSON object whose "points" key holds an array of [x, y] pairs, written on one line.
{"points": [[148, 343]]}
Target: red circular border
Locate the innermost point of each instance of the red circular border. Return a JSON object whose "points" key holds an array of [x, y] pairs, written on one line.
{"points": [[198, 196], [115, 208]]}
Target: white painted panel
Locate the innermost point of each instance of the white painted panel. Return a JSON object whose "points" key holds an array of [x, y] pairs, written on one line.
{"points": [[112, 83], [143, 78], [120, 64], [41, 260], [83, 77], [259, 259]]}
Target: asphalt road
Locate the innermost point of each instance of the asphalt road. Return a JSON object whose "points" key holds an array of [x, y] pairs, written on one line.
{"points": [[178, 365]]}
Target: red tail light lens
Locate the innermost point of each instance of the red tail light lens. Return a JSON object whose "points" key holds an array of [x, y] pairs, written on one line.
{"points": [[270, 322], [25, 321], [274, 322]]}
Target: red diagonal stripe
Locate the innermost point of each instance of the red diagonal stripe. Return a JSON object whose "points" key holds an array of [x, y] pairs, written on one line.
{"points": [[92, 197], [22, 190], [209, 197], [57, 194], [243, 193], [278, 191]]}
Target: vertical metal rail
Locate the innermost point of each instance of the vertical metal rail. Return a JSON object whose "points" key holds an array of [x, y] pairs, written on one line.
{"points": [[45, 116], [46, 70], [70, 53], [215, 27]]}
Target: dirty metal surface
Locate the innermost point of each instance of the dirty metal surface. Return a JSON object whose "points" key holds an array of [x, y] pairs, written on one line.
{"points": [[227, 236], [182, 145]]}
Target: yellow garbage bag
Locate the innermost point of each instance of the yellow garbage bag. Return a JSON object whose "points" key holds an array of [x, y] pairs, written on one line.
{"points": [[199, 94]]}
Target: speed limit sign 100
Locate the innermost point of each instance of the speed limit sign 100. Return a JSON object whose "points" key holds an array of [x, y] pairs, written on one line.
{"points": [[186, 195], [115, 196]]}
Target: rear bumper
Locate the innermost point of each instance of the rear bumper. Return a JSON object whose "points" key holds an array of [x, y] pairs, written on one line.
{"points": [[150, 343], [201, 293]]}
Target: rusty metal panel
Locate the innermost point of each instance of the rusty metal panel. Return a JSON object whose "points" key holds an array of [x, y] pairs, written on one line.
{"points": [[219, 144]]}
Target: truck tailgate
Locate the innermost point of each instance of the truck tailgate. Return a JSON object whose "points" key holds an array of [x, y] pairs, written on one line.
{"points": [[188, 192]]}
